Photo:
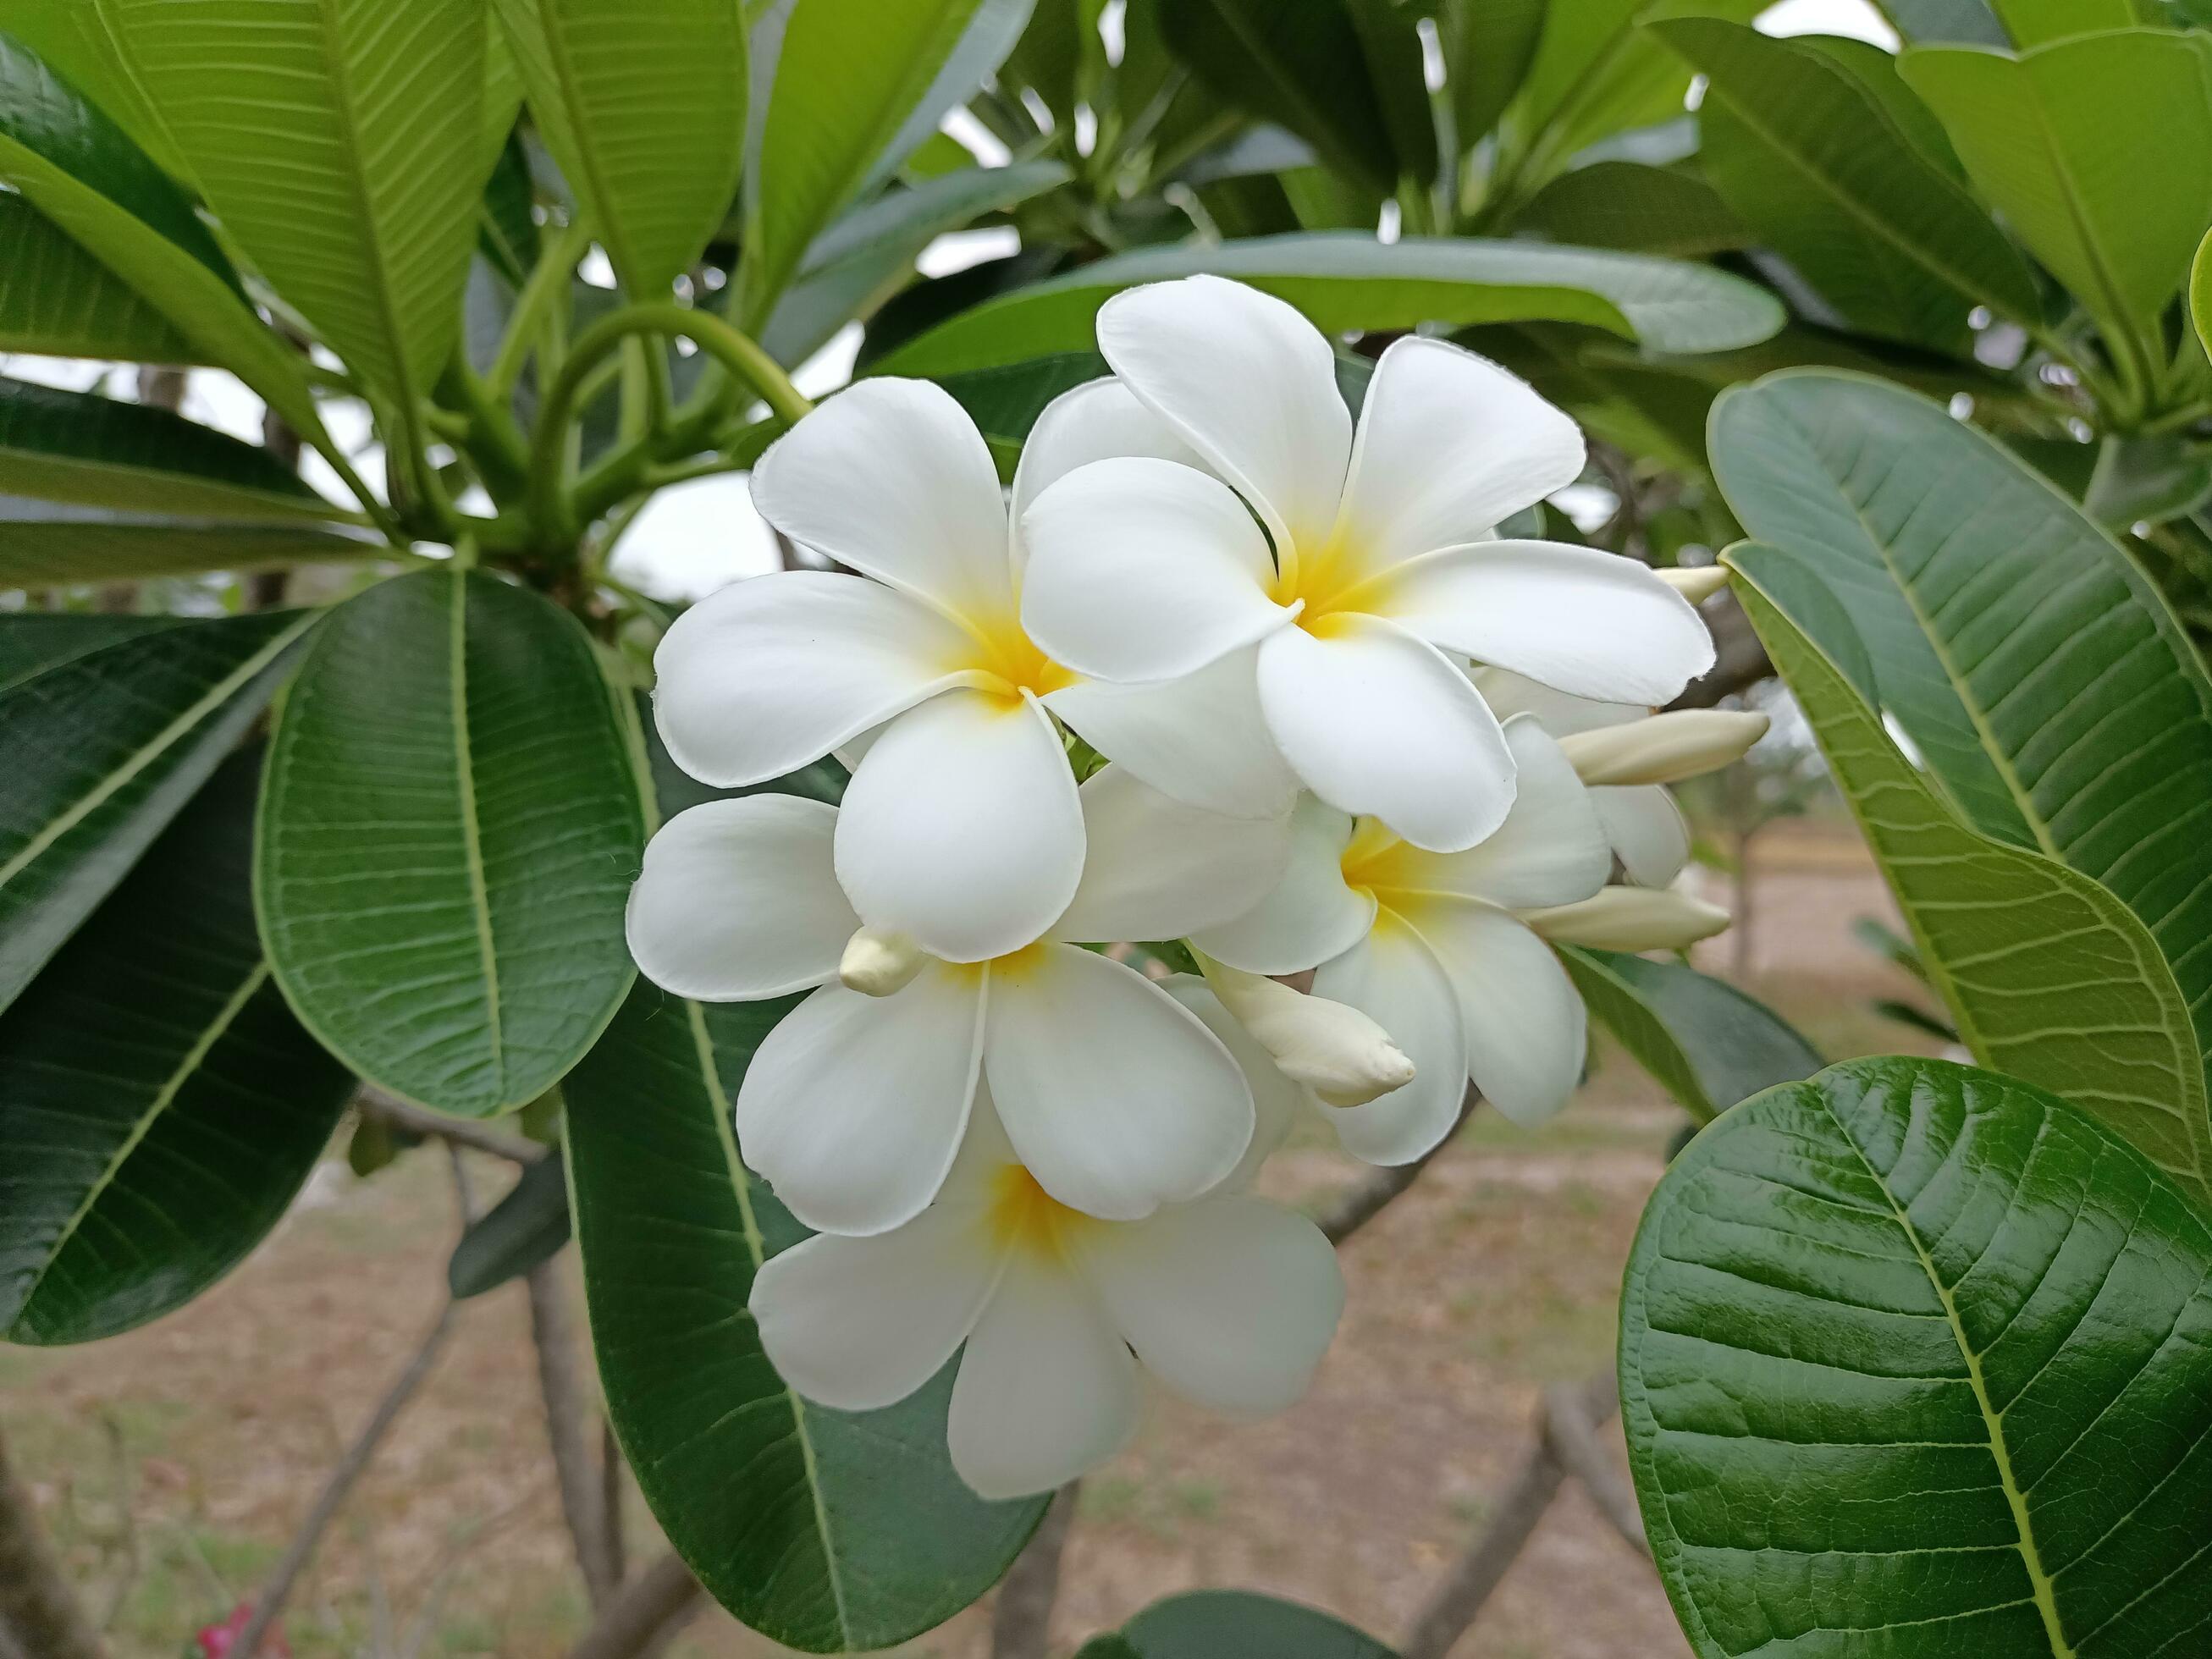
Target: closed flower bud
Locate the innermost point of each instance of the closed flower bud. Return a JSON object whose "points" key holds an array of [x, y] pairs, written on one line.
{"points": [[878, 963], [1630, 919], [1665, 748], [1336, 1051], [1695, 583]]}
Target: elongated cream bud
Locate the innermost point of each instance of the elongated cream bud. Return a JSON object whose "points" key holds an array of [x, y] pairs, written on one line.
{"points": [[876, 962], [1696, 582], [1336, 1051], [1630, 919], [1665, 748]]}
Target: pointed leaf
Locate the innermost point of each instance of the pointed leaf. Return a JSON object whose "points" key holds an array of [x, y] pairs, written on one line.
{"points": [[1641, 209], [43, 544], [1237, 1625], [104, 748], [2048, 975], [1344, 281], [1488, 46], [644, 108], [824, 1531], [58, 300], [158, 1104], [523, 1229], [1708, 1044], [449, 828], [32, 641], [1916, 1361]]}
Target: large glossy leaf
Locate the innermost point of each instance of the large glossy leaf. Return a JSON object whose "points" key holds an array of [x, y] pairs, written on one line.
{"points": [[449, 827], [1487, 46], [84, 175], [644, 107], [74, 447], [825, 1530], [2098, 151], [1916, 1361], [104, 746], [158, 1104], [44, 544], [2030, 22], [858, 84], [1233, 1625], [1805, 150], [78, 38], [1708, 1044], [2047, 975], [57, 299], [32, 641], [339, 142], [2033, 665], [1641, 210], [1342, 74], [1347, 281]]}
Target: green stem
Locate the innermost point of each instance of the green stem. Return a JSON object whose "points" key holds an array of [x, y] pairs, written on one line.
{"points": [[556, 265]]}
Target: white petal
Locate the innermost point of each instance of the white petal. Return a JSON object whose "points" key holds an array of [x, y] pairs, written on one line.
{"points": [[1154, 868], [1096, 421], [1524, 1018], [961, 827], [1231, 1302], [1377, 723], [1141, 569], [738, 901], [1576, 619], [892, 477], [1200, 738], [1560, 713], [1276, 1101], [1310, 916], [1394, 978], [857, 1324], [1047, 1389], [1116, 1097], [1249, 383], [1647, 830], [777, 670], [1448, 445], [1550, 849], [853, 1108]]}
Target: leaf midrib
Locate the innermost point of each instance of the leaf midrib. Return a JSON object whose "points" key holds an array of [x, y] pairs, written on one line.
{"points": [[471, 832]]}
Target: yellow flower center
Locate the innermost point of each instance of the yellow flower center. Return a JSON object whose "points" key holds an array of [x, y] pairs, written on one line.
{"points": [[1022, 1216], [1326, 576], [1374, 860], [1005, 659]]}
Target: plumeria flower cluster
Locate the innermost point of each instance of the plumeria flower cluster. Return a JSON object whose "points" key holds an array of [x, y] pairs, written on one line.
{"points": [[1225, 668]]}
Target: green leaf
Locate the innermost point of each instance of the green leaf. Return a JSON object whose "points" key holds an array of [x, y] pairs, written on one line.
{"points": [[1335, 72], [1970, 21], [105, 745], [1004, 402], [1344, 281], [340, 143], [2145, 479], [2200, 293], [2030, 22], [858, 85], [77, 39], [1708, 1044], [1807, 152], [1641, 210], [47, 545], [523, 1229], [823, 1530], [84, 175], [449, 830], [506, 230], [76, 446], [1916, 1361], [32, 641], [644, 108], [1218, 1623], [158, 1104], [1488, 46], [2048, 975], [2098, 151], [57, 299], [2054, 696]]}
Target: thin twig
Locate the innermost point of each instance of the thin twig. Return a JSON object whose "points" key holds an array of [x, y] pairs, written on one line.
{"points": [[1021, 1619], [611, 1466], [37, 1606], [583, 1497], [1572, 1427], [1364, 1201], [415, 1119], [651, 1607]]}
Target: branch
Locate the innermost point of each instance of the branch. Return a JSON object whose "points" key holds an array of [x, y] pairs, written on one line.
{"points": [[1572, 1420], [1021, 1619], [1367, 1198], [38, 1609], [455, 1132], [1740, 660], [652, 1606], [583, 1496]]}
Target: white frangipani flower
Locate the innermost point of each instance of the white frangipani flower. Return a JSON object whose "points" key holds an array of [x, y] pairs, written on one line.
{"points": [[852, 1108], [1229, 1301], [1370, 557], [1435, 948]]}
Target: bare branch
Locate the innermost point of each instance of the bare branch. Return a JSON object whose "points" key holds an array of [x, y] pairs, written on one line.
{"points": [[1021, 1619], [38, 1609], [456, 1132], [1574, 1421], [568, 1413], [610, 1496], [651, 1608], [1367, 1198]]}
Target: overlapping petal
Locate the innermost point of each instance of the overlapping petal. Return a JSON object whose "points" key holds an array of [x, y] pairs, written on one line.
{"points": [[1200, 738], [1248, 383], [1377, 721], [773, 672], [738, 901], [1095, 421], [1155, 868], [1276, 1101], [1647, 830], [1524, 1022], [1395, 979], [1311, 913], [1115, 1097], [961, 827]]}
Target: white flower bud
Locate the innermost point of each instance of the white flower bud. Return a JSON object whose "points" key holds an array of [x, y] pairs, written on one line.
{"points": [[1695, 583], [1665, 748], [1630, 919], [1336, 1051], [876, 962]]}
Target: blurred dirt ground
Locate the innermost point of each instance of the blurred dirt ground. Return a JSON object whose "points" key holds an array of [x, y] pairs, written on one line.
{"points": [[173, 1463]]}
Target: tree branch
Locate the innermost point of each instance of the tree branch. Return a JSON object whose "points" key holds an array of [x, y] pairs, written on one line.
{"points": [[567, 1412], [38, 1608], [1740, 660], [1367, 1197], [1021, 1619], [455, 1132], [1573, 1419], [651, 1607]]}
